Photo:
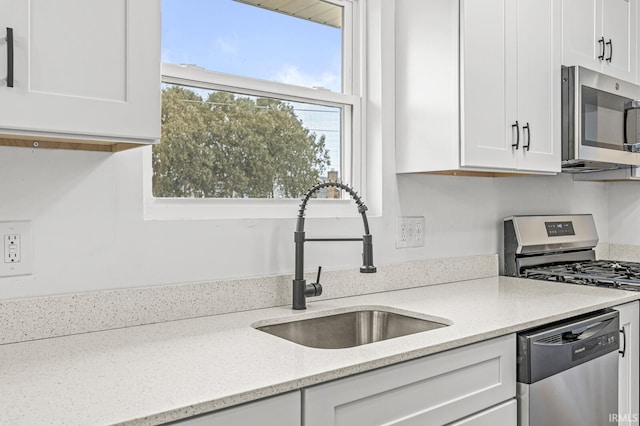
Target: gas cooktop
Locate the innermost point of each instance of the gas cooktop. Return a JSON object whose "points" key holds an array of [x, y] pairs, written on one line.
{"points": [[603, 273], [560, 248]]}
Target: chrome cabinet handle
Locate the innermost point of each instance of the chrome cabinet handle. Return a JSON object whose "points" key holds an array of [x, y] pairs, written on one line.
{"points": [[624, 342], [528, 129], [9, 57], [517, 126], [601, 41], [610, 44]]}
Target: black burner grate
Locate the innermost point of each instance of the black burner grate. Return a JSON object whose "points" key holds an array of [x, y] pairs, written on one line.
{"points": [[601, 273]]}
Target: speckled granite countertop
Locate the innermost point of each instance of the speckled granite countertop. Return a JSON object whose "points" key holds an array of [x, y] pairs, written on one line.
{"points": [[161, 372]]}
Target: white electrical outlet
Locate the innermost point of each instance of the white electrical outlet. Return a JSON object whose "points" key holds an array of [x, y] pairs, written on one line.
{"points": [[410, 232], [16, 247], [12, 248]]}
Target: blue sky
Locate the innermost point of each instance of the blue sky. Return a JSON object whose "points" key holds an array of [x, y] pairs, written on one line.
{"points": [[235, 38]]}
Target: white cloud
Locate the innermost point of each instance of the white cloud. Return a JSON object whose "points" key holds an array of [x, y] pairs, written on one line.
{"points": [[290, 74], [226, 46]]}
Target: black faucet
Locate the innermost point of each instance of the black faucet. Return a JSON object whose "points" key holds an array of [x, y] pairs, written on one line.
{"points": [[302, 290]]}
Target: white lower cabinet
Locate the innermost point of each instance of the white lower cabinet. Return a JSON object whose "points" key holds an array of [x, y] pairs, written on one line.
{"points": [[439, 389], [501, 415], [281, 410], [629, 364]]}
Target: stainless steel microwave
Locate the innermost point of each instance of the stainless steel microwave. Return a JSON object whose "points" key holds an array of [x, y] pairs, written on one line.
{"points": [[600, 121]]}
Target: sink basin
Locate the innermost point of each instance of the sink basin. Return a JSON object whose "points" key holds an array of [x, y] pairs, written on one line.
{"points": [[349, 329]]}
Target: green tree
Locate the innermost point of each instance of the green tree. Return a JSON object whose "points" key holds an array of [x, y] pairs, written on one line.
{"points": [[233, 147]]}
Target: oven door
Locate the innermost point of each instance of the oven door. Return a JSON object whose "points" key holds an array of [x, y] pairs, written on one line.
{"points": [[600, 118]]}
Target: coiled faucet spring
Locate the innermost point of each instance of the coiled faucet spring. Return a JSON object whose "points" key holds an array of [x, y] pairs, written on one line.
{"points": [[302, 290]]}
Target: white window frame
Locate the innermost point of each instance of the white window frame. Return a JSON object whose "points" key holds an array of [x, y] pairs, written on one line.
{"points": [[352, 131]]}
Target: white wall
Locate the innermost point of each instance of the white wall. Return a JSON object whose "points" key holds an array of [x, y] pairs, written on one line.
{"points": [[624, 212], [89, 232]]}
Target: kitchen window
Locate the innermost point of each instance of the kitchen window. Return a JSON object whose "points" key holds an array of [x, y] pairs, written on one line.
{"points": [[260, 100]]}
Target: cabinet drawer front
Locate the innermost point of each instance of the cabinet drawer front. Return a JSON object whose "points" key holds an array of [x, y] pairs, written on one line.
{"points": [[501, 415], [281, 410], [437, 389]]}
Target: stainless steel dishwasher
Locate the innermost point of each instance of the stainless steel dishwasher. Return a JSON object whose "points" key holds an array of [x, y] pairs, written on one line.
{"points": [[568, 372]]}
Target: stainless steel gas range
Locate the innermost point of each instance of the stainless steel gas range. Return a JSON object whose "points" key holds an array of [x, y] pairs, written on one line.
{"points": [[560, 248]]}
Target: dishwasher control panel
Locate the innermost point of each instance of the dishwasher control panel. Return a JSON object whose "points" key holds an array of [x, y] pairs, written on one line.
{"points": [[550, 349], [587, 348]]}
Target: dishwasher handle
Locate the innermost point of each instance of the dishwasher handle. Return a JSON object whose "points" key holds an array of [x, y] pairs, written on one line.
{"points": [[586, 332], [574, 334]]}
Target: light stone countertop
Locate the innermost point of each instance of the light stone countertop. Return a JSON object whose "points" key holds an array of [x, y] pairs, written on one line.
{"points": [[161, 372]]}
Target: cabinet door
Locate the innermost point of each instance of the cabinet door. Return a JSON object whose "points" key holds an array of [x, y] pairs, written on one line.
{"points": [[488, 83], [539, 85], [581, 30], [82, 68], [628, 366], [619, 29], [505, 414], [434, 390], [281, 410]]}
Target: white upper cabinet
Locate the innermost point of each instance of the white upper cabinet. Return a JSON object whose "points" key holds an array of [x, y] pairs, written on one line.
{"points": [[600, 35], [82, 70], [488, 84], [502, 74], [539, 85]]}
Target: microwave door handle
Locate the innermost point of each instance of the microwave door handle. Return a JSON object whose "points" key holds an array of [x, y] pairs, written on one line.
{"points": [[625, 139], [633, 147]]}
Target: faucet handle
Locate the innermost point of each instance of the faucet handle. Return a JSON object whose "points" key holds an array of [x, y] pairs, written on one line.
{"points": [[318, 277], [314, 289]]}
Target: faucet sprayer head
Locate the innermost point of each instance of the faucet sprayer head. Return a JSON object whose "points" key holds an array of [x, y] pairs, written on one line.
{"points": [[367, 255]]}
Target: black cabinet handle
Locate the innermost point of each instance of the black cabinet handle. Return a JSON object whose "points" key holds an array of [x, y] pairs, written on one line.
{"points": [[601, 41], [9, 57], [528, 129], [624, 342], [517, 126], [610, 44]]}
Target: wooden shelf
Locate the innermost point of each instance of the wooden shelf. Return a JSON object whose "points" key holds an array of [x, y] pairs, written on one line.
{"points": [[70, 144]]}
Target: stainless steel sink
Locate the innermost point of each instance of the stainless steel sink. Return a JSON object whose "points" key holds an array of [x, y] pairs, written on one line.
{"points": [[346, 330]]}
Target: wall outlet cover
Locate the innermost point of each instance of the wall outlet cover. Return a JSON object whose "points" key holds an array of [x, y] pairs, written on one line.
{"points": [[410, 232], [17, 257]]}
